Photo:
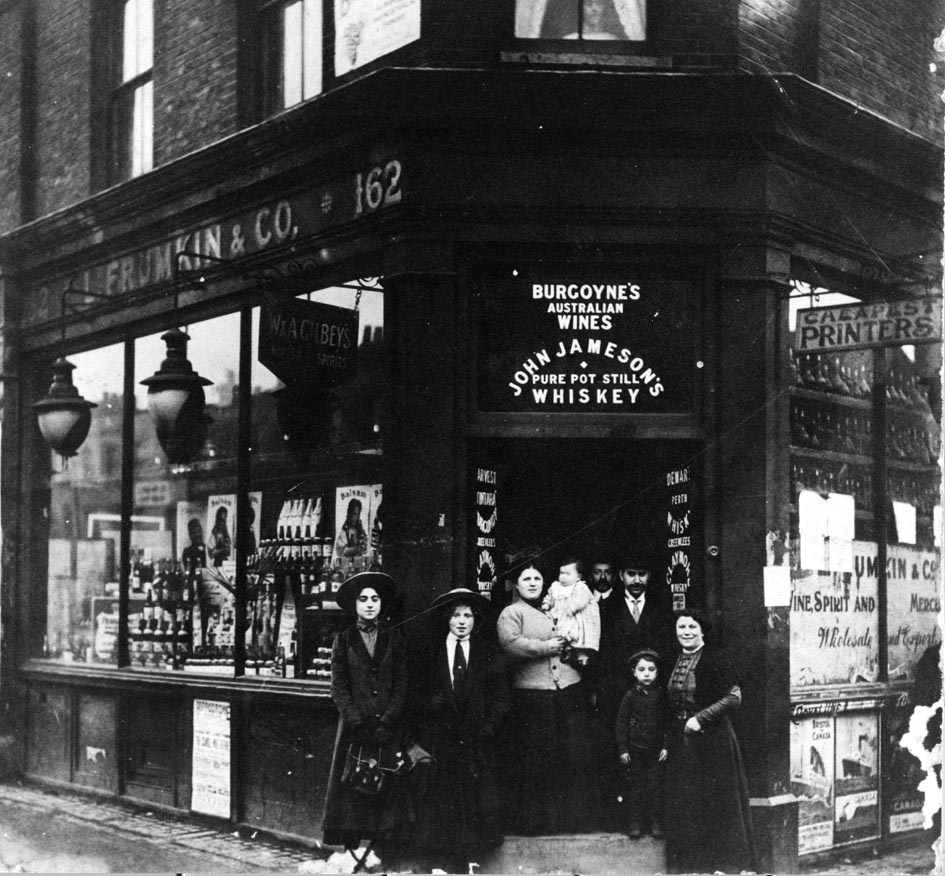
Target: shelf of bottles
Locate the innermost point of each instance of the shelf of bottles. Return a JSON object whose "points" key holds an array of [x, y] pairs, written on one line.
{"points": [[164, 619], [832, 443], [292, 583]]}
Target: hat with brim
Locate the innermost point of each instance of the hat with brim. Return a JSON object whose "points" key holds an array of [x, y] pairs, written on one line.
{"points": [[383, 584], [459, 596]]}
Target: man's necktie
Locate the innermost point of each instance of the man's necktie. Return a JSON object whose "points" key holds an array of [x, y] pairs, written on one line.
{"points": [[459, 670], [635, 610]]}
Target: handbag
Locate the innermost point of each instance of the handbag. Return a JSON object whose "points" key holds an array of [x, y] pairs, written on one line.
{"points": [[363, 774]]}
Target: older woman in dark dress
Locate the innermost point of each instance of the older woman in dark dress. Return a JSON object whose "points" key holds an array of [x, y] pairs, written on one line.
{"points": [[460, 700], [369, 688], [707, 819]]}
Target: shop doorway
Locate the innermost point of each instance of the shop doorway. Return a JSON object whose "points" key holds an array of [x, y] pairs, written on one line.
{"points": [[594, 497]]}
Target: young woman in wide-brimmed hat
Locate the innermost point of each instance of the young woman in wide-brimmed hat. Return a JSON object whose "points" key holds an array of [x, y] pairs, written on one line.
{"points": [[369, 687]]}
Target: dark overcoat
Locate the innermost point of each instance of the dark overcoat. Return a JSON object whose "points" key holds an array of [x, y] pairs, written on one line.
{"points": [[621, 637], [706, 813], [461, 810], [367, 691]]}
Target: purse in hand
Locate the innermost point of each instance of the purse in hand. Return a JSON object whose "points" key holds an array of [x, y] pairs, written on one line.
{"points": [[363, 774]]}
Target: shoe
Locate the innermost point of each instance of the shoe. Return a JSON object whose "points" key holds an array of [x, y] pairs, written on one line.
{"points": [[635, 832], [656, 831]]}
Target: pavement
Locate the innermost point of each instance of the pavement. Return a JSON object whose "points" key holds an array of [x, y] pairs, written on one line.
{"points": [[46, 831]]}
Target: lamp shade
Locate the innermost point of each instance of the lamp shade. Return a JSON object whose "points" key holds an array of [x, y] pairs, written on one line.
{"points": [[176, 401], [63, 416]]}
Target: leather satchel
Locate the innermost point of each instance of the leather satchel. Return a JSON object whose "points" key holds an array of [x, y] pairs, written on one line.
{"points": [[362, 773]]}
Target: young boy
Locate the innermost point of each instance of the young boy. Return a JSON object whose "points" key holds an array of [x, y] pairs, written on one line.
{"points": [[641, 740], [576, 615]]}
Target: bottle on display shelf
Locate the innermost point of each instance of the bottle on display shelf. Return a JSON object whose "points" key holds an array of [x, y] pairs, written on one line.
{"points": [[293, 658], [278, 668]]}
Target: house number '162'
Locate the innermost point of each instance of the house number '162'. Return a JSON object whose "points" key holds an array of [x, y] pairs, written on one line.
{"points": [[379, 187]]}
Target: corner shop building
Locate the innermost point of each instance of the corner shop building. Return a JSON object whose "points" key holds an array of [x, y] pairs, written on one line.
{"points": [[579, 334]]}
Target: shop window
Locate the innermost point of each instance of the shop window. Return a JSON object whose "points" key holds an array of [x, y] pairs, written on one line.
{"points": [[182, 577], [84, 504], [292, 55], [132, 98], [597, 21], [316, 485], [312, 504]]}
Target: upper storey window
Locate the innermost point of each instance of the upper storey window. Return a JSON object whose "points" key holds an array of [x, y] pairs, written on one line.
{"points": [[599, 20], [133, 98], [293, 34]]}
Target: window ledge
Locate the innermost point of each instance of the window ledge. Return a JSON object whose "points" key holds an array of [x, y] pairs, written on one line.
{"points": [[595, 59], [113, 677]]}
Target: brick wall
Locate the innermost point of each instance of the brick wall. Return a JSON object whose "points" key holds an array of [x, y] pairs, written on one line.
{"points": [[195, 93], [889, 71], [61, 143], [874, 52], [11, 48]]}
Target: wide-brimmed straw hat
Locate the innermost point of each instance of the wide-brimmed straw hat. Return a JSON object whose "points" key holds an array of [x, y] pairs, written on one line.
{"points": [[382, 583]]}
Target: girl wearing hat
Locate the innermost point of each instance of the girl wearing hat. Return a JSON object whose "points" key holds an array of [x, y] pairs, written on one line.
{"points": [[460, 699], [369, 688]]}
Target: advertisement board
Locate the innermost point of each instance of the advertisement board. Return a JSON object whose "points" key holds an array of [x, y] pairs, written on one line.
{"points": [[812, 775], [563, 342], [211, 758]]}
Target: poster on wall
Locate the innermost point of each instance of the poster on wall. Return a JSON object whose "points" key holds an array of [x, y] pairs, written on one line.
{"points": [[210, 781], [560, 342], [856, 803], [812, 775], [352, 521], [485, 550], [376, 524], [190, 537], [902, 774], [221, 514], [368, 29], [826, 524], [912, 598], [834, 629]]}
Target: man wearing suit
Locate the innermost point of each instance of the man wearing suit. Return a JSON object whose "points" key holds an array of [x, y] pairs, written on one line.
{"points": [[636, 616]]}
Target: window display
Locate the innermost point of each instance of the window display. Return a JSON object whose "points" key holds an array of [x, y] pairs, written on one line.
{"points": [[317, 449], [83, 513]]}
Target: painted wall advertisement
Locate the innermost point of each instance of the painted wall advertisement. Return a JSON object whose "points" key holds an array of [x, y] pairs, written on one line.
{"points": [[615, 343], [211, 758], [368, 29]]}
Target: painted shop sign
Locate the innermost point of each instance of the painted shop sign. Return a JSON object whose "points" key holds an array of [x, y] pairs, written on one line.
{"points": [[679, 533], [834, 620], [307, 342], [857, 326], [568, 342], [249, 232]]}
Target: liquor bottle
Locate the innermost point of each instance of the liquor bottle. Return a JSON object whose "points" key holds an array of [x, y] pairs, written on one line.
{"points": [[278, 667], [293, 659], [135, 574], [836, 379]]}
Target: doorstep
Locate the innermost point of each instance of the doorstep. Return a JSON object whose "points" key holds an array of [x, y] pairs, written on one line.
{"points": [[584, 853]]}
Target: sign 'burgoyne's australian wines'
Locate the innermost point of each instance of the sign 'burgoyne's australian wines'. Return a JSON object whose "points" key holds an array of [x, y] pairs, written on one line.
{"points": [[599, 344]]}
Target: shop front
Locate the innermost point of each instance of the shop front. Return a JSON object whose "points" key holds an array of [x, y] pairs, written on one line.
{"points": [[388, 369]]}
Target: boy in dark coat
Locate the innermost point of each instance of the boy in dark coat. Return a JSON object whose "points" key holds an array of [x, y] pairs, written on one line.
{"points": [[642, 723]]}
